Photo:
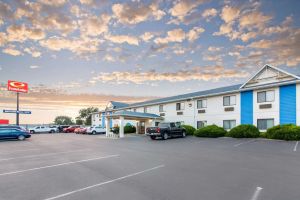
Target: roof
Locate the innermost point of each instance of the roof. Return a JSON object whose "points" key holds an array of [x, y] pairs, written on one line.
{"points": [[117, 104], [227, 89], [134, 114]]}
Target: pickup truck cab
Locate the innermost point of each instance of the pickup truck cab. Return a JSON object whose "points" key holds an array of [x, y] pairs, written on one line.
{"points": [[42, 129], [166, 130]]}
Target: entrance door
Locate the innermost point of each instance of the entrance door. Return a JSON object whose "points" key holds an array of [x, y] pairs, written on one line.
{"points": [[141, 127]]}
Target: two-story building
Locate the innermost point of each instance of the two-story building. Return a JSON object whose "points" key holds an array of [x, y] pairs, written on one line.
{"points": [[270, 97]]}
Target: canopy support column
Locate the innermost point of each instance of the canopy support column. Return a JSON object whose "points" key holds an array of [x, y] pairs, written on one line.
{"points": [[107, 126], [121, 126]]}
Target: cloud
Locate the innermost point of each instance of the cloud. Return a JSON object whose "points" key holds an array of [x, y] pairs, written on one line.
{"points": [[137, 12], [21, 33], [108, 58], [209, 13], [147, 36], [197, 73], [254, 20], [12, 51], [93, 26], [213, 48], [194, 33], [3, 39], [78, 46], [175, 35], [6, 12], [229, 13], [183, 8], [33, 52], [55, 3], [119, 39], [34, 67]]}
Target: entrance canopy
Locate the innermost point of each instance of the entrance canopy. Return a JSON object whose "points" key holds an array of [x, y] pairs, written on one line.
{"points": [[146, 118]]}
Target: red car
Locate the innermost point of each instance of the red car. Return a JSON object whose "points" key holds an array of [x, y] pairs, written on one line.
{"points": [[70, 129], [80, 130]]}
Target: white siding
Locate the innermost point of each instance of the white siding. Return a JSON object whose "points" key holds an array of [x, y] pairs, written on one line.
{"points": [[266, 113], [215, 114], [96, 120], [298, 104]]}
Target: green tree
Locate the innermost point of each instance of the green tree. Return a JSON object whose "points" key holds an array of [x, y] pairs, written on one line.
{"points": [[85, 114], [63, 120], [79, 121]]}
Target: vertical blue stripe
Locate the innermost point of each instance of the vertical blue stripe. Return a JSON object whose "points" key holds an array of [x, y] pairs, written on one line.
{"points": [[110, 121], [103, 119], [247, 107], [287, 109]]}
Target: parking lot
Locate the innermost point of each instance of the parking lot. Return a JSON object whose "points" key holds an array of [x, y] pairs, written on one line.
{"points": [[70, 166]]}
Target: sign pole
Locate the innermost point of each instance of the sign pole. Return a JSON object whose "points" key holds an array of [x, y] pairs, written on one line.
{"points": [[17, 113]]}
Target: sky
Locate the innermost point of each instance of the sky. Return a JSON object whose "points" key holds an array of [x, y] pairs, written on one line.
{"points": [[80, 53]]}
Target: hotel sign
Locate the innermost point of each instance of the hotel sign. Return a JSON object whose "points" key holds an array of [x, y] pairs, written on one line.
{"points": [[16, 86]]}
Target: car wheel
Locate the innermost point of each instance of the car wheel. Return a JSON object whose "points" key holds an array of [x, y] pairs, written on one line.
{"points": [[52, 131], [165, 136], [183, 134], [94, 132], [152, 137], [32, 132], [21, 137]]}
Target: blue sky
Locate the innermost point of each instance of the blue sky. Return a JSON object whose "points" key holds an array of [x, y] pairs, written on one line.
{"points": [[141, 48]]}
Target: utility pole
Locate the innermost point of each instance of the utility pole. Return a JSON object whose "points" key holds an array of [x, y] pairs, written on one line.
{"points": [[17, 113]]}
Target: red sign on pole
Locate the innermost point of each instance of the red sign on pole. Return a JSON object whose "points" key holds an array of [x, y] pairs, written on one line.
{"points": [[16, 86]]}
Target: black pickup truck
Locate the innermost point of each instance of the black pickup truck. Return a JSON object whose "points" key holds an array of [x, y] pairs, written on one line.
{"points": [[166, 130]]}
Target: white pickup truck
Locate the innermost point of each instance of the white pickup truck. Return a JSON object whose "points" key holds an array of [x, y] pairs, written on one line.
{"points": [[43, 129]]}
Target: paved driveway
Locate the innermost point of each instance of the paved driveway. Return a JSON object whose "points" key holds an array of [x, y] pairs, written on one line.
{"points": [[70, 166]]}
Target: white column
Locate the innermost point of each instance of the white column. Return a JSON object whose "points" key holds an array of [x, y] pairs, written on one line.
{"points": [[121, 126], [107, 126]]}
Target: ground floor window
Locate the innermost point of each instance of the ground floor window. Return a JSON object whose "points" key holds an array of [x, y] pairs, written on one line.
{"points": [[201, 124], [229, 124], [264, 124]]}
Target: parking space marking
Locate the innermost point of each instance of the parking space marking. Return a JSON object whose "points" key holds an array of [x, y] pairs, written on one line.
{"points": [[42, 155], [104, 183], [239, 144], [256, 193], [296, 145], [57, 165]]}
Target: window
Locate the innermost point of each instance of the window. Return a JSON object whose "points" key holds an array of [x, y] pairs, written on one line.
{"points": [[265, 96], [145, 109], [264, 124], [201, 103], [161, 108], [134, 110], [180, 106], [229, 124], [201, 124], [229, 100], [172, 125]]}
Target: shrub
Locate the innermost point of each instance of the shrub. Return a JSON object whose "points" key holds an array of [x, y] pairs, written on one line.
{"points": [[212, 131], [244, 131], [189, 129], [127, 129], [284, 132]]}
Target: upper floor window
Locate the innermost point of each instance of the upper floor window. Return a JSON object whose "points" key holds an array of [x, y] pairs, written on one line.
{"points": [[265, 96], [229, 100], [145, 109], [161, 108], [202, 103], [180, 106]]}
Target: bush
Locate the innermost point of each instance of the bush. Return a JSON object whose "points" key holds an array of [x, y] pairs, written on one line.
{"points": [[284, 132], [212, 131], [189, 129], [244, 131], [127, 129]]}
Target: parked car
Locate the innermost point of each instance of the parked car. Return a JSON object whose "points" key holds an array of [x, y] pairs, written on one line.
{"points": [[13, 133], [70, 129], [95, 130], [165, 130], [80, 130], [42, 129], [13, 126], [61, 128]]}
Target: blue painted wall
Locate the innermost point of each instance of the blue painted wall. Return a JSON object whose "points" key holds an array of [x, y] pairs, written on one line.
{"points": [[247, 107], [110, 121], [103, 119], [287, 109]]}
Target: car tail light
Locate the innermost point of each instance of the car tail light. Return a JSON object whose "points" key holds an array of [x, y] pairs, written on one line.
{"points": [[158, 130]]}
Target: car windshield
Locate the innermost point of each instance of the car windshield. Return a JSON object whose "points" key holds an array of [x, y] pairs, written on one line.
{"points": [[163, 125]]}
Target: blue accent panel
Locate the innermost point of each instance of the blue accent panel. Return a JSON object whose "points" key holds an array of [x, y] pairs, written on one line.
{"points": [[287, 110], [103, 119], [247, 107], [110, 121]]}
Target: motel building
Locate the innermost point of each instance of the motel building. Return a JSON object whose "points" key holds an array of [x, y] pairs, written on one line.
{"points": [[270, 97]]}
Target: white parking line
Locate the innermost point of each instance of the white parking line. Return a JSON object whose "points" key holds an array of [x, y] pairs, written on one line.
{"points": [[296, 145], [104, 183], [41, 155], [56, 165], [236, 145], [256, 193], [15, 151]]}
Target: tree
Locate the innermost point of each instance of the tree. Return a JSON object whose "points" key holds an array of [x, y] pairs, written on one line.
{"points": [[63, 120], [79, 121], [85, 114]]}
